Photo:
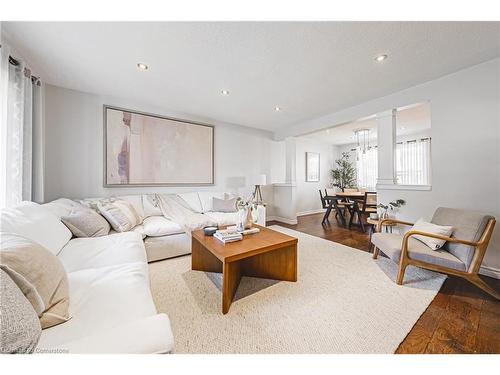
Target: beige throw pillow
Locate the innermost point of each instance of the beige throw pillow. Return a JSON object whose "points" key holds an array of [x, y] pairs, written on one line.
{"points": [[433, 243], [39, 274], [85, 222], [120, 213]]}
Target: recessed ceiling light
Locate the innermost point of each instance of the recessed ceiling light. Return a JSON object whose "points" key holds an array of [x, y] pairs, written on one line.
{"points": [[380, 58], [142, 66], [277, 109], [225, 92]]}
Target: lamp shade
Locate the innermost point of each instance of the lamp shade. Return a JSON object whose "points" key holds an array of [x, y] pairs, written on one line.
{"points": [[259, 180]]}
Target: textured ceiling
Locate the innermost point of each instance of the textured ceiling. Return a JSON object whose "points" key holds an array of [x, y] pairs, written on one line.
{"points": [[309, 69]]}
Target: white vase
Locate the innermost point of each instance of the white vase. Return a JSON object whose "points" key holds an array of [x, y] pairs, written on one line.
{"points": [[245, 219]]}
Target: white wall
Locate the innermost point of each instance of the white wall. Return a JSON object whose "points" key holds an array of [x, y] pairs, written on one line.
{"points": [[465, 145], [74, 149], [307, 195]]}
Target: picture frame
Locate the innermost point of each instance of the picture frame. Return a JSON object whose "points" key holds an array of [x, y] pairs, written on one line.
{"points": [[312, 167], [144, 149]]}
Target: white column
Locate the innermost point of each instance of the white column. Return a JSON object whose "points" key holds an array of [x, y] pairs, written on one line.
{"points": [[291, 156], [386, 148]]}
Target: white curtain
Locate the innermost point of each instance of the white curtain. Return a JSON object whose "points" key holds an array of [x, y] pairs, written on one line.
{"points": [[367, 168], [16, 127], [413, 162]]}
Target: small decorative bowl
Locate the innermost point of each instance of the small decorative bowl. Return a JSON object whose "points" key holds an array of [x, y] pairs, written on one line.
{"points": [[209, 231]]}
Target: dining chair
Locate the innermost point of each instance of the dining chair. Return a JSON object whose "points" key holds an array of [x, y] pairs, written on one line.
{"points": [[461, 255], [335, 203], [364, 208]]}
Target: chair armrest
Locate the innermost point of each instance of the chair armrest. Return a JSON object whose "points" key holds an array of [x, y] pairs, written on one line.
{"points": [[144, 336], [381, 223], [406, 238]]}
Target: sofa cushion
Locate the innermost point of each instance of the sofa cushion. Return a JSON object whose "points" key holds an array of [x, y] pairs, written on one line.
{"points": [[137, 202], [103, 298], [206, 199], [85, 222], [86, 253], [156, 226], [20, 327], [390, 244], [120, 214], [61, 207], [192, 201], [223, 218], [37, 223], [224, 205], [40, 276], [151, 205], [468, 225]]}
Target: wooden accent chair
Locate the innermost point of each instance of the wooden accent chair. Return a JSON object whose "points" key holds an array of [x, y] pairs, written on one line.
{"points": [[461, 255]]}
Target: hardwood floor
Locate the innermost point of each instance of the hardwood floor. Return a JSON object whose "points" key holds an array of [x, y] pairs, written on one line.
{"points": [[460, 319]]}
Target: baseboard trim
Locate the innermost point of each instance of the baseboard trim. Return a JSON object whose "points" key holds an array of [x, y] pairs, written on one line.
{"points": [[490, 271], [311, 212], [282, 219]]}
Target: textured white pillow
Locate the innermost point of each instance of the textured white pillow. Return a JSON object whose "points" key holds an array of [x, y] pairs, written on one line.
{"points": [[37, 223], [120, 213], [156, 226], [433, 243]]}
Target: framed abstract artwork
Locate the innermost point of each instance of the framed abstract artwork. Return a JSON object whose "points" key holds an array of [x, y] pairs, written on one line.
{"points": [[142, 149], [312, 167]]}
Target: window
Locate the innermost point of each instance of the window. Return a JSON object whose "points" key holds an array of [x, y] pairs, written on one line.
{"points": [[413, 159], [367, 167]]}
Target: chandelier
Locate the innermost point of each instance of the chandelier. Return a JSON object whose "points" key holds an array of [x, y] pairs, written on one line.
{"points": [[362, 139]]}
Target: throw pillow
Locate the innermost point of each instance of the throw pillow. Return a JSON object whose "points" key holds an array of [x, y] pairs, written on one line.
{"points": [[85, 222], [39, 274], [441, 230], [224, 205], [120, 213], [20, 327]]}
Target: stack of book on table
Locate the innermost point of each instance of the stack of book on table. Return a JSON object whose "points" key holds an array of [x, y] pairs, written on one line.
{"points": [[228, 235]]}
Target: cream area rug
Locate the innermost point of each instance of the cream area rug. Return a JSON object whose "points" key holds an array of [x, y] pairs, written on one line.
{"points": [[343, 302]]}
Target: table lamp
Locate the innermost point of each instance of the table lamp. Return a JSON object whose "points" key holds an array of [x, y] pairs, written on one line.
{"points": [[259, 180]]}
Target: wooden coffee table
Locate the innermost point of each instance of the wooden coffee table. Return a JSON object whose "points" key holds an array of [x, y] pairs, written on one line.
{"points": [[267, 254]]}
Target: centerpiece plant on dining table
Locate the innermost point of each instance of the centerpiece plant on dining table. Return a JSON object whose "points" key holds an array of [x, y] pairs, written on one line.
{"points": [[344, 176]]}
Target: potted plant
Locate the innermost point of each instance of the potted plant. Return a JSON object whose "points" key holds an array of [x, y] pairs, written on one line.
{"points": [[392, 206], [344, 176]]}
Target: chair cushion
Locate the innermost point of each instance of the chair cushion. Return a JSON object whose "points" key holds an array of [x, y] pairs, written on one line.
{"points": [[390, 245], [467, 225], [37, 223]]}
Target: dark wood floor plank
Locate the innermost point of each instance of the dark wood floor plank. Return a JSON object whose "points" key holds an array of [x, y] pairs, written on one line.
{"points": [[460, 319]]}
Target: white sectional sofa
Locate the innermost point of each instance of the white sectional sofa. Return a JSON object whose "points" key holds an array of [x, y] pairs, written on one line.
{"points": [[110, 299], [162, 237], [111, 306]]}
